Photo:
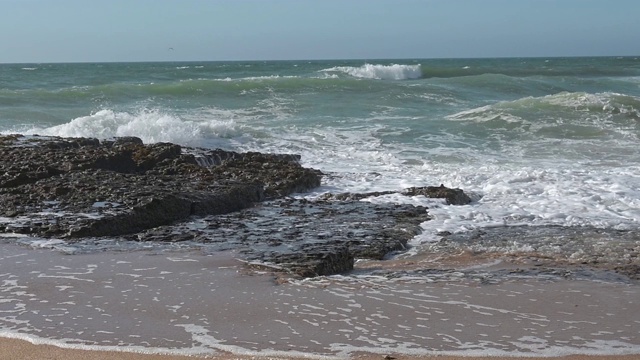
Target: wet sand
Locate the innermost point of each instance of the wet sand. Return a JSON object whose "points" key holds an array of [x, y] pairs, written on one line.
{"points": [[190, 303], [22, 350]]}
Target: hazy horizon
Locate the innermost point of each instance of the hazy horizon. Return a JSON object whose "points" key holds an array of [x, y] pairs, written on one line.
{"points": [[320, 60]]}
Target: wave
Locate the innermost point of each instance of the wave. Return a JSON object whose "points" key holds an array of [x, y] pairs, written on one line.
{"points": [[380, 72], [189, 87], [535, 68], [463, 71], [151, 125], [422, 71], [566, 114], [202, 87], [605, 103]]}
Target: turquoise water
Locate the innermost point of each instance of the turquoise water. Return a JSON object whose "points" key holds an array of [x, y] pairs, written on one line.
{"points": [[536, 141]]}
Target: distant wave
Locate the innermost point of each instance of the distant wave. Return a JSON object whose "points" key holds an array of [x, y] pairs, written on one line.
{"points": [[600, 103], [254, 78], [380, 72], [178, 88], [406, 72], [454, 72], [566, 114]]}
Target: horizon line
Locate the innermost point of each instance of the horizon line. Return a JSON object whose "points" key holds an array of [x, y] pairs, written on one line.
{"points": [[319, 59]]}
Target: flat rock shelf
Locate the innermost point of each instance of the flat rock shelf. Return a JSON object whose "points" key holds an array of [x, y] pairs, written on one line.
{"points": [[74, 189]]}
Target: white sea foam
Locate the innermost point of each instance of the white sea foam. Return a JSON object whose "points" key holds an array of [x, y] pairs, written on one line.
{"points": [[509, 196], [151, 125], [100, 299], [509, 187], [72, 344], [519, 183], [257, 78], [382, 72]]}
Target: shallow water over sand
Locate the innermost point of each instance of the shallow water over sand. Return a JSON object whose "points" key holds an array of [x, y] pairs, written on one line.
{"points": [[188, 302]]}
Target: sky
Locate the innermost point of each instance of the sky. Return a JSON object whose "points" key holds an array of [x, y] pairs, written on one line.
{"points": [[211, 30]]}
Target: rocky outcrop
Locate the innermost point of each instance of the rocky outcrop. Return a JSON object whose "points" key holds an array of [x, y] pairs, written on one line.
{"points": [[81, 189], [570, 248], [84, 187], [303, 237], [281, 174]]}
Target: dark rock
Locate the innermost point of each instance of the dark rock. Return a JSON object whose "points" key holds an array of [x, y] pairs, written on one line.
{"points": [[453, 196], [630, 270], [164, 209], [218, 157], [127, 140], [279, 174], [304, 237], [11, 213], [9, 139], [78, 189], [316, 263], [150, 185], [605, 249]]}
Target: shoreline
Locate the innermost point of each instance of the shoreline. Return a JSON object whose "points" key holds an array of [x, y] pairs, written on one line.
{"points": [[213, 306], [18, 349]]}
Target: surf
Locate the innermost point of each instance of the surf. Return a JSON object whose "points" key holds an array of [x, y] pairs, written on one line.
{"points": [[152, 125], [379, 72]]}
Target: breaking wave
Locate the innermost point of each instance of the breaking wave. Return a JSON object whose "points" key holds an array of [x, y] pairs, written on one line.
{"points": [[150, 125], [380, 72], [600, 109]]}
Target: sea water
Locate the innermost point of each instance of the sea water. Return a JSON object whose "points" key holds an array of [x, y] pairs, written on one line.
{"points": [[534, 141]]}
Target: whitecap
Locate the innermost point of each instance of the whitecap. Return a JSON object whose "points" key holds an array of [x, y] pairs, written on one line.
{"points": [[151, 125], [380, 72]]}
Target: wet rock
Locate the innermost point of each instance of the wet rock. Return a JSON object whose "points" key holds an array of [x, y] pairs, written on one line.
{"points": [[452, 196], [11, 213], [66, 182], [303, 237], [604, 249], [315, 263], [160, 210], [81, 189], [630, 270], [9, 139], [127, 140], [218, 157], [280, 174]]}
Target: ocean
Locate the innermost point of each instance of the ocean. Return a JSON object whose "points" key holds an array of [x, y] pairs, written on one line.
{"points": [[536, 142]]}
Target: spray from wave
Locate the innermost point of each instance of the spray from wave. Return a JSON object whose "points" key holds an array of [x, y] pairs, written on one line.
{"points": [[380, 72], [151, 125]]}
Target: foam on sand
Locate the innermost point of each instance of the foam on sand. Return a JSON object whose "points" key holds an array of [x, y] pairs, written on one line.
{"points": [[149, 302]]}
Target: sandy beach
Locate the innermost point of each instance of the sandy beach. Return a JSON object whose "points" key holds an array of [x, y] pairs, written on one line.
{"points": [[189, 303], [19, 349]]}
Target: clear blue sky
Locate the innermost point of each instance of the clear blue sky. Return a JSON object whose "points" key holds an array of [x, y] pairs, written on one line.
{"points": [[145, 30]]}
